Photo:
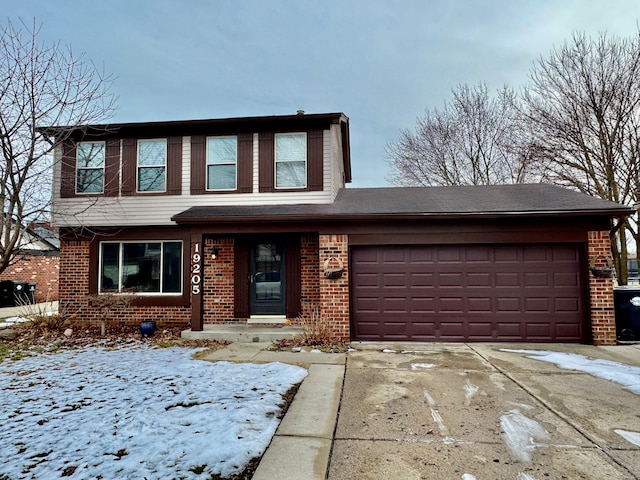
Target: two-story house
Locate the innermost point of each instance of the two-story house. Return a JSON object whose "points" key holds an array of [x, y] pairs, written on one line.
{"points": [[248, 220]]}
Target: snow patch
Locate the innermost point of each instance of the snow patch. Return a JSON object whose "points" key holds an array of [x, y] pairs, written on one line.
{"points": [[420, 366], [387, 350], [631, 437], [520, 434], [626, 375], [468, 476], [525, 476], [470, 390]]}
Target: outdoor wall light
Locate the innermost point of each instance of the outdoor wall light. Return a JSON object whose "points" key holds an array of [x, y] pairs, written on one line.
{"points": [[214, 253]]}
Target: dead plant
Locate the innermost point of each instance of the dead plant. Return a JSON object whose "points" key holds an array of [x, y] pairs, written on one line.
{"points": [[108, 304]]}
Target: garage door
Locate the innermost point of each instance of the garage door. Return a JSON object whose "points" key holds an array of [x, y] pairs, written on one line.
{"points": [[468, 293]]}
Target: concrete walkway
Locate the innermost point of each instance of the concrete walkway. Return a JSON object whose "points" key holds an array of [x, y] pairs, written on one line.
{"points": [[301, 447]]}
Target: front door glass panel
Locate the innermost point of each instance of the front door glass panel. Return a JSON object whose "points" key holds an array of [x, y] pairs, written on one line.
{"points": [[267, 279]]}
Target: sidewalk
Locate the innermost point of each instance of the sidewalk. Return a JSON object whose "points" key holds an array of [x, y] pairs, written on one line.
{"points": [[9, 315], [301, 447]]}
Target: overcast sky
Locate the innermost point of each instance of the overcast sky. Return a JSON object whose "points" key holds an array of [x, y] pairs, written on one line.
{"points": [[380, 62]]}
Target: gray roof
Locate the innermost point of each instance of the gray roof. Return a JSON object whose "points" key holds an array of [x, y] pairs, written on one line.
{"points": [[421, 202]]}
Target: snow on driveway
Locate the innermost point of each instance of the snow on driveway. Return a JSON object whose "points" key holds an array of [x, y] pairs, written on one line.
{"points": [[136, 412], [626, 375]]}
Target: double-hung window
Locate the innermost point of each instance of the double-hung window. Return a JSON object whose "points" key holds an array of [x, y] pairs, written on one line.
{"points": [[142, 267], [222, 161], [90, 167], [152, 165], [291, 160]]}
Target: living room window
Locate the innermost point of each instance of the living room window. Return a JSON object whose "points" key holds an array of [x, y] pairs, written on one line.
{"points": [[222, 161], [90, 167], [153, 267], [152, 165], [291, 160]]}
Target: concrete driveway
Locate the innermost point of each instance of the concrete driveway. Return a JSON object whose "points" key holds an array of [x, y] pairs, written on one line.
{"points": [[474, 411]]}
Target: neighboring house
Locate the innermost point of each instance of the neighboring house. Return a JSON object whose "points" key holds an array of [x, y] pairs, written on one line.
{"points": [[37, 262], [248, 220]]}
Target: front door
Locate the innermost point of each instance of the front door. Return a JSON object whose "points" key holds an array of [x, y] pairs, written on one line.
{"points": [[267, 279]]}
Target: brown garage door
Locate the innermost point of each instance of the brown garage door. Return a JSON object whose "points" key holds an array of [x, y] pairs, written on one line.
{"points": [[468, 293]]}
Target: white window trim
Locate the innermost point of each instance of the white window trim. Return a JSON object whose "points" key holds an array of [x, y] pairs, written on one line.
{"points": [[104, 161], [164, 165], [120, 258], [207, 164], [275, 161]]}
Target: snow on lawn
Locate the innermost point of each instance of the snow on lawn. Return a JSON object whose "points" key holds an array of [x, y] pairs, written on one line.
{"points": [[136, 412], [626, 375]]}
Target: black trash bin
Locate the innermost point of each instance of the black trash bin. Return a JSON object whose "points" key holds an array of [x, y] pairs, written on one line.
{"points": [[13, 293], [627, 309]]}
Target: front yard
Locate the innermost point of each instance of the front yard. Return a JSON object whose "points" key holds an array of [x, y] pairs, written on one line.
{"points": [[136, 411]]}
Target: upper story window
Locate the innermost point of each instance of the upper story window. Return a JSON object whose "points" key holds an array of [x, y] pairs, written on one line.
{"points": [[90, 167], [291, 160], [152, 165], [153, 267], [222, 161]]}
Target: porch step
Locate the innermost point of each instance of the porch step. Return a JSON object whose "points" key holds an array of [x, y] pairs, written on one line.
{"points": [[243, 333]]}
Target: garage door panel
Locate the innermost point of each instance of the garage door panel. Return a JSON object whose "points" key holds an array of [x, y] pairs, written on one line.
{"points": [[478, 279], [506, 279], [468, 293]]}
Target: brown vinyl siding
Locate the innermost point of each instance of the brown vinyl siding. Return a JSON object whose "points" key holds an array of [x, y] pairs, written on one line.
{"points": [[266, 162], [111, 167], [129, 161], [245, 163], [198, 164], [174, 165], [68, 170], [315, 170]]}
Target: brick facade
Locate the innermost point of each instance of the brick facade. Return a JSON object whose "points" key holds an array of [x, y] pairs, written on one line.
{"points": [[334, 293], [218, 281], [43, 270], [330, 295], [74, 300], [603, 323]]}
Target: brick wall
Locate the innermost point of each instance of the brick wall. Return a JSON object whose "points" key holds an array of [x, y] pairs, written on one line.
{"points": [[39, 269], [603, 324], [218, 282], [334, 294], [74, 288]]}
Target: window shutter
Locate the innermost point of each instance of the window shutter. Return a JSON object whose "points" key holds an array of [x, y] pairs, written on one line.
{"points": [[241, 279], [129, 160], [198, 164], [265, 163], [68, 170], [294, 278], [245, 163], [111, 167], [174, 165], [315, 165]]}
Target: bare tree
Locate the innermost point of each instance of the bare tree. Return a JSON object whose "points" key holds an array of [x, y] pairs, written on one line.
{"points": [[40, 85], [473, 140], [583, 105]]}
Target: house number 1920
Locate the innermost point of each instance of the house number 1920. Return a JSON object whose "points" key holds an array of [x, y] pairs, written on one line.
{"points": [[196, 278]]}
